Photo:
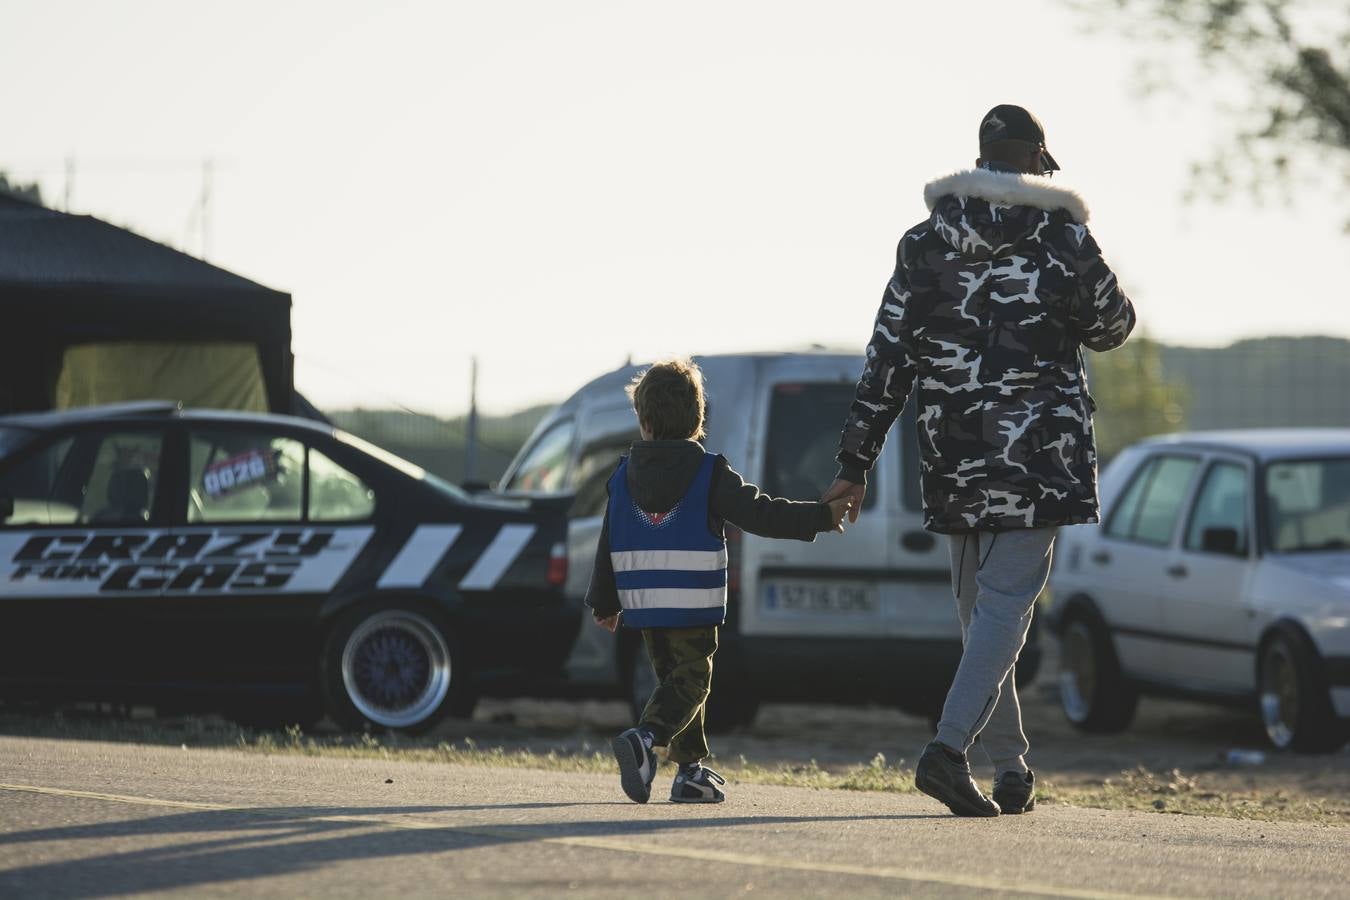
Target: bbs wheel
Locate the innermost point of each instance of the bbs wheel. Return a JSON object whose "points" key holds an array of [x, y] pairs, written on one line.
{"points": [[392, 667], [1294, 697], [1092, 690]]}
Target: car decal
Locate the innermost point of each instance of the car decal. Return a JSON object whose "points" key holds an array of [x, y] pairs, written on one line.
{"points": [[488, 569], [425, 547], [194, 561]]}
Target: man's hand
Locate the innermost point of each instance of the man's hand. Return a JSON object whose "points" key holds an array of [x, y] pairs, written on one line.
{"points": [[842, 488], [838, 508], [609, 623]]}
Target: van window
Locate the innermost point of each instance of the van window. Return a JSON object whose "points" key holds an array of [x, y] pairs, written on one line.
{"points": [[799, 460], [544, 465], [594, 467]]}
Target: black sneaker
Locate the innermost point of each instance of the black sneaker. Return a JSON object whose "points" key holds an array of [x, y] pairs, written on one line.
{"points": [[699, 786], [1015, 793], [637, 765], [948, 781]]}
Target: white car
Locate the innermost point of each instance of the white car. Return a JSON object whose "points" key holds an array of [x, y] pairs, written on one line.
{"points": [[1220, 572]]}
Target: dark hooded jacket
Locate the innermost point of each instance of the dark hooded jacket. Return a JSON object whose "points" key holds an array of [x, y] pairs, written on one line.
{"points": [[659, 474], [992, 299]]}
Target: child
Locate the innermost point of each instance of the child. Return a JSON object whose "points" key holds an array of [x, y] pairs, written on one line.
{"points": [[662, 563]]}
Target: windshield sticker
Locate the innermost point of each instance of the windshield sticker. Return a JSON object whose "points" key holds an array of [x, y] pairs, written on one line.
{"points": [[244, 470]]}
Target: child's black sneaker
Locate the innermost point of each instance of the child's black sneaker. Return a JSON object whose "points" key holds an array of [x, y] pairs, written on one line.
{"points": [[1014, 792], [697, 784], [637, 763]]}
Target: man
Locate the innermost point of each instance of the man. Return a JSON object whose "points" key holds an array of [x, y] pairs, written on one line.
{"points": [[992, 299]]}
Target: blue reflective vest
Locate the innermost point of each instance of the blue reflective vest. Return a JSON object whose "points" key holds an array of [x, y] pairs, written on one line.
{"points": [[670, 570]]}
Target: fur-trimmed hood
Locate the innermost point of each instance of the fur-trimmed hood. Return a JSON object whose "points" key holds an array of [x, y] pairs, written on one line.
{"points": [[992, 215], [1007, 189]]}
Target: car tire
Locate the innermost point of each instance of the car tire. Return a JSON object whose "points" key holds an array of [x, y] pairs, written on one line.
{"points": [[1293, 697], [729, 707], [392, 666], [1093, 692]]}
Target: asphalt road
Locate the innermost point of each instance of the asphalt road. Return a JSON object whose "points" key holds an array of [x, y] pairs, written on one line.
{"points": [[85, 819]]}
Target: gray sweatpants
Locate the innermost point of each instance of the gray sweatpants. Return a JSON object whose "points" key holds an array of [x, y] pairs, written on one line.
{"points": [[996, 577]]}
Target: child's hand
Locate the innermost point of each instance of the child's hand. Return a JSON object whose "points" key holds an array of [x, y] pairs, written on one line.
{"points": [[609, 623], [839, 508]]}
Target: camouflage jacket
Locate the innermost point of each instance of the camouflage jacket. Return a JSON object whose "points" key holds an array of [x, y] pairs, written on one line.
{"points": [[992, 299]]}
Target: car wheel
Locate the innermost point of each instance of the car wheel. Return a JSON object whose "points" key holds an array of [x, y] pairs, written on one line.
{"points": [[1294, 699], [1093, 691], [393, 666]]}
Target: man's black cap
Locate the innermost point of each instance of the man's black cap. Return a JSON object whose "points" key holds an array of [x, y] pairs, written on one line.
{"points": [[1014, 123]]}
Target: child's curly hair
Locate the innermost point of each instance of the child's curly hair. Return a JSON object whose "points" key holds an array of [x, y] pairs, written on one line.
{"points": [[668, 399]]}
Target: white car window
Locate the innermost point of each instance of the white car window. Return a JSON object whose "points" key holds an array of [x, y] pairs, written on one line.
{"points": [[1308, 505], [1149, 510], [1121, 522], [1222, 503]]}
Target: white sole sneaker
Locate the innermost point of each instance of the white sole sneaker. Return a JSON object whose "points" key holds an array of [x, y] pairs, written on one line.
{"points": [[637, 765]]}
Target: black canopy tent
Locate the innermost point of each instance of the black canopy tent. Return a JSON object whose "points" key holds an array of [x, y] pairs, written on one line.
{"points": [[68, 281]]}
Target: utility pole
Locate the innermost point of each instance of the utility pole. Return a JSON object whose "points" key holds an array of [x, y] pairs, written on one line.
{"points": [[70, 183], [471, 426], [204, 210]]}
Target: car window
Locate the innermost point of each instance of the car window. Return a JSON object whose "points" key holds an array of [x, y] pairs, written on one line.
{"points": [[1149, 508], [335, 494], [12, 439], [33, 486], [93, 477], [1120, 521], [1158, 511], [1221, 503], [1308, 505], [799, 455], [121, 485], [544, 465], [244, 476], [594, 466]]}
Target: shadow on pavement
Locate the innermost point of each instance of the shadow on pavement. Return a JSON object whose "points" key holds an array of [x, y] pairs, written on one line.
{"points": [[269, 842]]}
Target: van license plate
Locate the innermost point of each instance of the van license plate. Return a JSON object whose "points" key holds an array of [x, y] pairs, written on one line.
{"points": [[829, 597]]}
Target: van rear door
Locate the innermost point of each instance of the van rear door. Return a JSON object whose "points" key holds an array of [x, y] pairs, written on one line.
{"points": [[884, 577]]}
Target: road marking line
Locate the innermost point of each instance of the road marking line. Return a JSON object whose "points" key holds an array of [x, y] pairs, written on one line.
{"points": [[599, 843]]}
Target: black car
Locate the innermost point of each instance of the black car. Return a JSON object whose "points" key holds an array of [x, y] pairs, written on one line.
{"points": [[266, 566]]}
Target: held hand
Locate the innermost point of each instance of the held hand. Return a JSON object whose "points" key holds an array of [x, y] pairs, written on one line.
{"points": [[842, 488], [838, 508], [609, 623]]}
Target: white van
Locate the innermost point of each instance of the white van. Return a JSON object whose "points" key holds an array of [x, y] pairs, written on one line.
{"points": [[863, 617]]}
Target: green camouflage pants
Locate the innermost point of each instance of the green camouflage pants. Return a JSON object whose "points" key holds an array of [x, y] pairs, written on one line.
{"points": [[682, 659]]}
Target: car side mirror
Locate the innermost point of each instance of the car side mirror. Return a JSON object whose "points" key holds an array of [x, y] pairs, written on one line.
{"points": [[6, 506], [1220, 540]]}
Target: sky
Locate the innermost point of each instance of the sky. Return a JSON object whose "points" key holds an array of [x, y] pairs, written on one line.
{"points": [[556, 188]]}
